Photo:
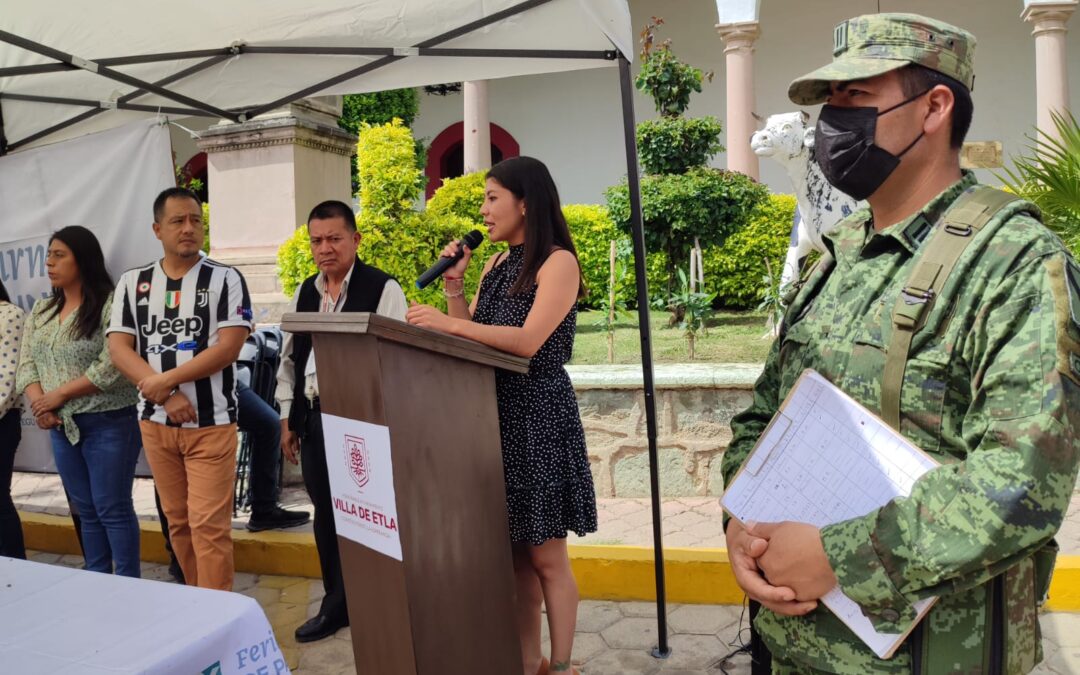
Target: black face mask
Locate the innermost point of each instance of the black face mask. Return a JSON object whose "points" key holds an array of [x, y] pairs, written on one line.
{"points": [[844, 148]]}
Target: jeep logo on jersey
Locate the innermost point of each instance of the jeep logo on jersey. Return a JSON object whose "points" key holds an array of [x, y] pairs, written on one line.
{"points": [[191, 325]]}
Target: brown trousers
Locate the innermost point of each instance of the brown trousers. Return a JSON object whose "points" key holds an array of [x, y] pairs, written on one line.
{"points": [[194, 470]]}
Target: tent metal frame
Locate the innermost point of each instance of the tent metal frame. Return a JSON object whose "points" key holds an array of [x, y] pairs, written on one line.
{"points": [[106, 67]]}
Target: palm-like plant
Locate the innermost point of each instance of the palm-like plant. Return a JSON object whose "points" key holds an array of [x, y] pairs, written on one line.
{"points": [[694, 306], [1049, 176], [772, 299]]}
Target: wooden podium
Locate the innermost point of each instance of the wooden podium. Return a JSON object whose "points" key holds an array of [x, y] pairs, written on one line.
{"points": [[448, 606]]}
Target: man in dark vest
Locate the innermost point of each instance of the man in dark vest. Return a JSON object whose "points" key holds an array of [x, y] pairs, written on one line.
{"points": [[343, 284]]}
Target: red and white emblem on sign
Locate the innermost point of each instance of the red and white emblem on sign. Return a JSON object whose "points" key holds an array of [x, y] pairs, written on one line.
{"points": [[356, 456]]}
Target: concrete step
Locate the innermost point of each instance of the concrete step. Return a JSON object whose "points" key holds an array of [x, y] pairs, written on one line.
{"points": [[268, 307], [244, 260], [262, 282], [261, 268]]}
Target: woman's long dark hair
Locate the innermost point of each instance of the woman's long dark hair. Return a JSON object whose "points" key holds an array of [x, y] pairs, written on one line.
{"points": [[545, 227], [4, 297], [96, 282]]}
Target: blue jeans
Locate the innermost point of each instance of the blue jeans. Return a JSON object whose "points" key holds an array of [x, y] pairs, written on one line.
{"points": [[263, 424], [98, 472]]}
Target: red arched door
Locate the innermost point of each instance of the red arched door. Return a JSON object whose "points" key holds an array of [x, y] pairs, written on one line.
{"points": [[195, 168], [446, 156]]}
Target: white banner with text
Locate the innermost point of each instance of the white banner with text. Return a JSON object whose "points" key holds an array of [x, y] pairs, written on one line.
{"points": [[105, 182]]}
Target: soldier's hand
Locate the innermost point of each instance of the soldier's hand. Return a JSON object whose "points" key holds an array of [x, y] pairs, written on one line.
{"points": [[744, 551], [795, 558]]}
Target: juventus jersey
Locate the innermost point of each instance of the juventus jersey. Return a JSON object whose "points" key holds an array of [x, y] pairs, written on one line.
{"points": [[174, 320]]}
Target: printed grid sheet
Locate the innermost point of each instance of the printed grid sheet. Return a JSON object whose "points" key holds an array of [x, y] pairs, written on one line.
{"points": [[826, 459]]}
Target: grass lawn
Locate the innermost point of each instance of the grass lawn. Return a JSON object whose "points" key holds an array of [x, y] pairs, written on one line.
{"points": [[734, 337]]}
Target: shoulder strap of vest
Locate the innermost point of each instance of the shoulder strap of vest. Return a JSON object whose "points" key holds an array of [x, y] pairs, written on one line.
{"points": [[961, 222]]}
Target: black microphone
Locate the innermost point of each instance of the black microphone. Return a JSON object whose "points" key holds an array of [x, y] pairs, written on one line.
{"points": [[472, 240]]}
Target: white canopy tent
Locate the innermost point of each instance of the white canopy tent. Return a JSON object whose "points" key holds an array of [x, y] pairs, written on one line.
{"points": [[69, 68]]}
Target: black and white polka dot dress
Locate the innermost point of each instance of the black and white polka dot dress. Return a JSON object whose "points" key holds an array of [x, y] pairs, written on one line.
{"points": [[549, 488]]}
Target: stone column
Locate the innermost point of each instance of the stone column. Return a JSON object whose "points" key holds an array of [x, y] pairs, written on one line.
{"points": [[739, 65], [1051, 76], [264, 176], [477, 126]]}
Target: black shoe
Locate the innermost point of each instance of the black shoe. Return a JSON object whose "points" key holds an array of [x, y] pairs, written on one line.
{"points": [[175, 572], [276, 518], [318, 627]]}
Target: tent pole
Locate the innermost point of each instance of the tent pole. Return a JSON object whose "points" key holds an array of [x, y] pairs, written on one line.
{"points": [[3, 138], [54, 128], [411, 51], [662, 650], [104, 71], [38, 69], [123, 102]]}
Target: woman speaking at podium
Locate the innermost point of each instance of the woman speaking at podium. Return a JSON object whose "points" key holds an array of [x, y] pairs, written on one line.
{"points": [[527, 305]]}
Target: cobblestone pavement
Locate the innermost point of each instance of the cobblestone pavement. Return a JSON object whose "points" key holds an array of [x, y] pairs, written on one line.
{"points": [[688, 521], [43, 493], [613, 638]]}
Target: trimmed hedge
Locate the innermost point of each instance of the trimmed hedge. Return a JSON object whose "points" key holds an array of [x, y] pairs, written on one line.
{"points": [[709, 204], [734, 271], [462, 197], [675, 144], [390, 182], [395, 238]]}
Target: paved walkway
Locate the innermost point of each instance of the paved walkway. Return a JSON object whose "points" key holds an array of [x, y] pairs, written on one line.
{"points": [[613, 638], [688, 521]]}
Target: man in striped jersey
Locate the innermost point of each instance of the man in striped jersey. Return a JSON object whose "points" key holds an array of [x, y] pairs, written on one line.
{"points": [[176, 331]]}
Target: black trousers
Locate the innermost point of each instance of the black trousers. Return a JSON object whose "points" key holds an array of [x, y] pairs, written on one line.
{"points": [[317, 482], [761, 663], [11, 535]]}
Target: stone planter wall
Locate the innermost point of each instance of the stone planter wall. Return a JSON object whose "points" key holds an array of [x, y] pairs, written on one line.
{"points": [[694, 406]]}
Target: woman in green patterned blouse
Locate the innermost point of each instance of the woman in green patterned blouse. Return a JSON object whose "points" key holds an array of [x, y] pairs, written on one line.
{"points": [[89, 408]]}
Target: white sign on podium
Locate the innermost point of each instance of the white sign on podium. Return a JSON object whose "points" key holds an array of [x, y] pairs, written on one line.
{"points": [[362, 483]]}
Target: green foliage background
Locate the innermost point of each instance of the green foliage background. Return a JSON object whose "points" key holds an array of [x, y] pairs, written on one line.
{"points": [[674, 144], [394, 236], [380, 107], [462, 196], [1049, 175], [682, 199], [734, 270], [403, 241]]}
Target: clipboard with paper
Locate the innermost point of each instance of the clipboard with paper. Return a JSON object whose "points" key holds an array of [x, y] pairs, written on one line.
{"points": [[824, 459]]}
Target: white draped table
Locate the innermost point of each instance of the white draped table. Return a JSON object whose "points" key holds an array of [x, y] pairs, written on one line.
{"points": [[59, 620]]}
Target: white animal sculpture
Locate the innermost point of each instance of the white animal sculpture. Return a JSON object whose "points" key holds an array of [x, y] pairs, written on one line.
{"points": [[787, 139]]}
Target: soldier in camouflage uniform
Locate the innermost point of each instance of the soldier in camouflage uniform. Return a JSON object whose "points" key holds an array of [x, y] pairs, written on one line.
{"points": [[991, 387]]}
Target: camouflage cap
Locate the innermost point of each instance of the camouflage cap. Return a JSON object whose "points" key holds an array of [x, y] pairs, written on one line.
{"points": [[874, 44]]}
